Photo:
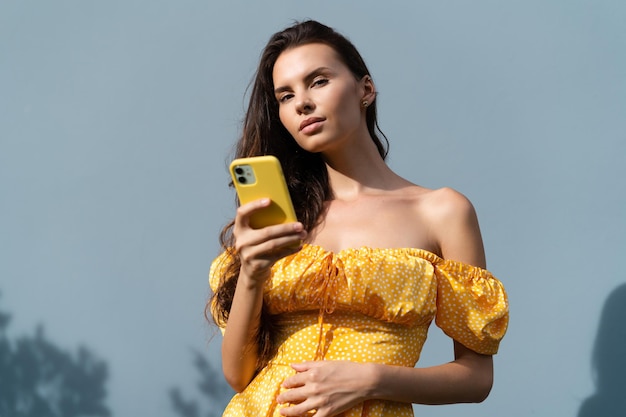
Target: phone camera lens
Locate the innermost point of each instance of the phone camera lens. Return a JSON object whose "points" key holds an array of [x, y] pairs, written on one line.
{"points": [[239, 171], [242, 179]]}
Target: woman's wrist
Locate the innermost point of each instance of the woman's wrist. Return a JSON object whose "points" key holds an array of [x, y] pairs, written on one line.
{"points": [[373, 381], [252, 282], [383, 381]]}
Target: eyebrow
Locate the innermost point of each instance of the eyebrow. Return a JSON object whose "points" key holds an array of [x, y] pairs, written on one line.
{"points": [[307, 78]]}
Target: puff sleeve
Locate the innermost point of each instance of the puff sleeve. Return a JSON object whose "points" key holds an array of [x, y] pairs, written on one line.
{"points": [[218, 267], [472, 306], [216, 272]]}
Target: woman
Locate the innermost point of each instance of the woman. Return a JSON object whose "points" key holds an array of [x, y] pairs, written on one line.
{"points": [[328, 315]]}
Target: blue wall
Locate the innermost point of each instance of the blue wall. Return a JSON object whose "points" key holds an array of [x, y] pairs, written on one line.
{"points": [[116, 121]]}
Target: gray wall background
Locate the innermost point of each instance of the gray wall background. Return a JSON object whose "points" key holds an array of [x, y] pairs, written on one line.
{"points": [[116, 122]]}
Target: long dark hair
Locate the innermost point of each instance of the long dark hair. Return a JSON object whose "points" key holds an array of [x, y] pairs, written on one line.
{"points": [[306, 174]]}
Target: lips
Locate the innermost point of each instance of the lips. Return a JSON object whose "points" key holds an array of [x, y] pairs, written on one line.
{"points": [[310, 121]]}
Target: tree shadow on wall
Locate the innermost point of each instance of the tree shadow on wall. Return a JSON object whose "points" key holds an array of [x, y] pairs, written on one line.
{"points": [[215, 392], [609, 360], [38, 379]]}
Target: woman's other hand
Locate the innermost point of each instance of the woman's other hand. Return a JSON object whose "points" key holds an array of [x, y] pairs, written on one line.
{"points": [[328, 387]]}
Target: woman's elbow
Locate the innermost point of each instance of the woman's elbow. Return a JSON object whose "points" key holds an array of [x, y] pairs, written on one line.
{"points": [[236, 383], [479, 375], [483, 391], [238, 371], [236, 377], [481, 387]]}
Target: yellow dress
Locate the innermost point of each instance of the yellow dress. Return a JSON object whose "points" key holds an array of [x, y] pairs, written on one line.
{"points": [[369, 305]]}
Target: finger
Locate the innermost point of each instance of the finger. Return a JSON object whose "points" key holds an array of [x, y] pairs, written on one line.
{"points": [[277, 254], [293, 381], [275, 231], [303, 366], [305, 408], [245, 210], [291, 396], [284, 229], [272, 237], [266, 245], [291, 242]]}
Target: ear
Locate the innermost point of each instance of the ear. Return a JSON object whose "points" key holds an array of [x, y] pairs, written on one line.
{"points": [[368, 89]]}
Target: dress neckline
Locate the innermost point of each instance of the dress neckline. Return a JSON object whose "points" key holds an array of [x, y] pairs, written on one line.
{"points": [[422, 253], [432, 258]]}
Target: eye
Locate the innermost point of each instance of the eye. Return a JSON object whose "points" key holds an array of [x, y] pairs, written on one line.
{"points": [[320, 81], [284, 98]]}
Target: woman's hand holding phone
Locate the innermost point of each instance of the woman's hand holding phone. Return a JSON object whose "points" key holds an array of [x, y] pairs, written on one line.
{"points": [[266, 228], [260, 248]]}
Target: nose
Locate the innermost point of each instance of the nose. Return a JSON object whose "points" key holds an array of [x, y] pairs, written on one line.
{"points": [[304, 105]]}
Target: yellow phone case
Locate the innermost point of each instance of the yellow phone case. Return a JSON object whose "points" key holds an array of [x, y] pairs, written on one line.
{"points": [[262, 177]]}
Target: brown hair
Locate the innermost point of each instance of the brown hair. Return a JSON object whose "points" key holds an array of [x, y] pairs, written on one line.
{"points": [[305, 172]]}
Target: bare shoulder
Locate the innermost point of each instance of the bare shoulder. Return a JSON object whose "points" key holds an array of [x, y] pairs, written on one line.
{"points": [[446, 204], [454, 225]]}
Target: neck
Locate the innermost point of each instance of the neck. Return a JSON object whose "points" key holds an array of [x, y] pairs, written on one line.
{"points": [[358, 170]]}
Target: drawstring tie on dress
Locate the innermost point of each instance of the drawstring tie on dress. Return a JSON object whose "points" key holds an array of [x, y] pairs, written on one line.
{"points": [[323, 293]]}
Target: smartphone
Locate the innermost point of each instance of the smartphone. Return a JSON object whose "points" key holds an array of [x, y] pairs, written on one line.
{"points": [[262, 177]]}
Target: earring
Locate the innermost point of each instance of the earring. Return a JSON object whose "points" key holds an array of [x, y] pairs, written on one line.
{"points": [[365, 103]]}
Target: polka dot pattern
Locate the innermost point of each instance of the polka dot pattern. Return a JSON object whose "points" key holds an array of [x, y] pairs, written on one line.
{"points": [[369, 305]]}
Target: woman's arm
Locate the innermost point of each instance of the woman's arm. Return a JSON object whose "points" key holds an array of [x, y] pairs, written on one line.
{"points": [[334, 386], [467, 379], [331, 387], [258, 249]]}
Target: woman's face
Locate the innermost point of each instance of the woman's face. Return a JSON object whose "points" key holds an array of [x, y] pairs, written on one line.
{"points": [[319, 99]]}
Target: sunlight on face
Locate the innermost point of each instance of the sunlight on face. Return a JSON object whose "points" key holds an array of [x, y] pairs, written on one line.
{"points": [[318, 96]]}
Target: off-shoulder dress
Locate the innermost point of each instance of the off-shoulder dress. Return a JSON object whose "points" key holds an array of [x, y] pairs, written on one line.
{"points": [[368, 305]]}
